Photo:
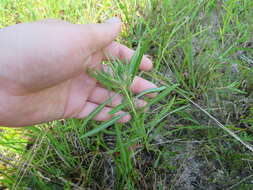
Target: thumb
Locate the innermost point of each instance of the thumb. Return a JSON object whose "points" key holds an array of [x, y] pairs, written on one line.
{"points": [[98, 36]]}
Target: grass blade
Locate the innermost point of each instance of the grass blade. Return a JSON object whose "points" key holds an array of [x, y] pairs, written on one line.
{"points": [[136, 59], [103, 126], [162, 95], [95, 112], [152, 90]]}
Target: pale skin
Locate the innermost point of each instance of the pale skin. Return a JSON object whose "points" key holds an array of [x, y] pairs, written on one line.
{"points": [[42, 71]]}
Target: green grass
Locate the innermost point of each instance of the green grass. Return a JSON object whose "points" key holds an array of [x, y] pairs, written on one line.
{"points": [[198, 131]]}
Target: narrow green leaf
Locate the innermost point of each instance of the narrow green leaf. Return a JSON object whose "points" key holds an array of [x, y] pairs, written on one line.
{"points": [[103, 126], [95, 112], [163, 94], [118, 108], [164, 113], [152, 90], [136, 59]]}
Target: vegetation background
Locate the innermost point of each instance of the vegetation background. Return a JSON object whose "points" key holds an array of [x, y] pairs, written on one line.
{"points": [[198, 132]]}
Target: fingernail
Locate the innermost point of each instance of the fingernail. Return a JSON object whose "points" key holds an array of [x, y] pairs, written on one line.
{"points": [[125, 119], [146, 63], [113, 20], [140, 103], [152, 95]]}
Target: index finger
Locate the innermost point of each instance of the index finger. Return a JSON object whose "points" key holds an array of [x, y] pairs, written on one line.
{"points": [[125, 54]]}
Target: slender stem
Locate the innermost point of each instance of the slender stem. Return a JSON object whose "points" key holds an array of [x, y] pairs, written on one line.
{"points": [[130, 101]]}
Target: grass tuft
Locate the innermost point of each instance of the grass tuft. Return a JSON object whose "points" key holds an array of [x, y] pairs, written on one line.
{"points": [[198, 131]]}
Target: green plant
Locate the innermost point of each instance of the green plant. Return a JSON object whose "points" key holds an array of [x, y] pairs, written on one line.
{"points": [[202, 52]]}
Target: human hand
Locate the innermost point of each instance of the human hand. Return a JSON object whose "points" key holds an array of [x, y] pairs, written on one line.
{"points": [[42, 71]]}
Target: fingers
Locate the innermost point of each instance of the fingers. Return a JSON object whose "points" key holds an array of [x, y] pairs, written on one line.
{"points": [[103, 115], [100, 95], [98, 36], [125, 54], [101, 36], [139, 84]]}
